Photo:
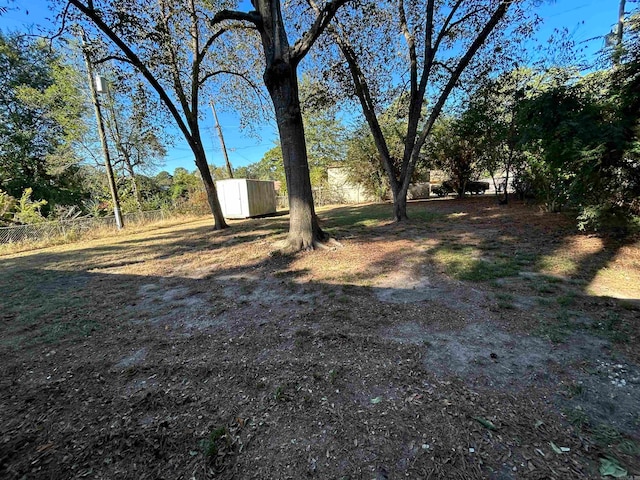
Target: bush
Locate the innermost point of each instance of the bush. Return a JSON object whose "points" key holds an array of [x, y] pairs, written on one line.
{"points": [[608, 219]]}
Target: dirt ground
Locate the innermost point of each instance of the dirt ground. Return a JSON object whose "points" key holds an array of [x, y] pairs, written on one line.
{"points": [[474, 341]]}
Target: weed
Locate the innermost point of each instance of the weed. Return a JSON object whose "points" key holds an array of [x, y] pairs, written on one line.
{"points": [[575, 390], [611, 327], [505, 301], [629, 447], [280, 393], [212, 444], [524, 259], [629, 305], [504, 296], [546, 288], [557, 332], [545, 302], [567, 299], [506, 305], [578, 418], [302, 337], [557, 264], [606, 435]]}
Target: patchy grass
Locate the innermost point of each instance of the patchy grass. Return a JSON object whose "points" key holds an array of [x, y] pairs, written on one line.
{"points": [[135, 348], [462, 262]]}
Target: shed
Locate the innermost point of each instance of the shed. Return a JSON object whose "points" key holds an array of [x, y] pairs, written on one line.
{"points": [[244, 198]]}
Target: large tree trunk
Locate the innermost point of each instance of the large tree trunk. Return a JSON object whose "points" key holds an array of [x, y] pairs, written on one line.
{"points": [[400, 203], [282, 83]]}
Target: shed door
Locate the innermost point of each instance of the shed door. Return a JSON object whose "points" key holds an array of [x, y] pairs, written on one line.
{"points": [[233, 199]]}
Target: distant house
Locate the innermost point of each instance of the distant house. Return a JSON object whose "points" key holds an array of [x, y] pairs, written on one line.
{"points": [[345, 191]]}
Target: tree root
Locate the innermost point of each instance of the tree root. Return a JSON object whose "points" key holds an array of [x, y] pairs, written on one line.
{"points": [[288, 246]]}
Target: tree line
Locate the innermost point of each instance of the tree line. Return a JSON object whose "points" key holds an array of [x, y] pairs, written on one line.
{"points": [[426, 83]]}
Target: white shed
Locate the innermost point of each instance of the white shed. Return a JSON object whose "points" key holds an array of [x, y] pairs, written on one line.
{"points": [[244, 198]]}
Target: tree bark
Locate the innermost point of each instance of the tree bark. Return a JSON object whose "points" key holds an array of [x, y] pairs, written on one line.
{"points": [[282, 83], [207, 180], [400, 206]]}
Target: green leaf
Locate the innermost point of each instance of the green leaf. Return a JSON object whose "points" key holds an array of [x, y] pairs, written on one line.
{"points": [[376, 400], [610, 467], [485, 423]]}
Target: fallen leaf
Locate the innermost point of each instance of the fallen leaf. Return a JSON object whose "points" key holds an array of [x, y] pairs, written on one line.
{"points": [[610, 467], [558, 449]]}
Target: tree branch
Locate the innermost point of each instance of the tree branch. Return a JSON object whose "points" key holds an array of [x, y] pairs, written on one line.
{"points": [[446, 26], [368, 106], [413, 69], [112, 57], [229, 72], [208, 43], [457, 72], [325, 15], [93, 15], [251, 17]]}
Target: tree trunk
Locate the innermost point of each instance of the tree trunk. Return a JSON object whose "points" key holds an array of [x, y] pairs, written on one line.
{"points": [[282, 83], [209, 185], [400, 201], [134, 183], [400, 207]]}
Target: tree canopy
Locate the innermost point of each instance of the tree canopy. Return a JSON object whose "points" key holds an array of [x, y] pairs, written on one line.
{"points": [[40, 110]]}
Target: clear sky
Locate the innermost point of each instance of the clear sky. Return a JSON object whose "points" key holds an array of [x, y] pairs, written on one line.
{"points": [[585, 20]]}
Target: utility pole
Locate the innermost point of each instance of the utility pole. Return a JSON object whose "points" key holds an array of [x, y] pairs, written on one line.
{"points": [[224, 147], [103, 138]]}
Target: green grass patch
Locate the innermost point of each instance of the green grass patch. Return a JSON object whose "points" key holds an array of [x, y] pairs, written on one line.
{"points": [[505, 301], [367, 216], [462, 263], [44, 306], [566, 300]]}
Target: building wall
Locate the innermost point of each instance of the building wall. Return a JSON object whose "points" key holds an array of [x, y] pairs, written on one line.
{"points": [[344, 190]]}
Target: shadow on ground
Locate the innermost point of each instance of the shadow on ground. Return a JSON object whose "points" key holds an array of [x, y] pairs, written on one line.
{"points": [[186, 356]]}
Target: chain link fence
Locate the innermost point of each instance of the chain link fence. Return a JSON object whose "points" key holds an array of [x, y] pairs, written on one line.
{"points": [[39, 232]]}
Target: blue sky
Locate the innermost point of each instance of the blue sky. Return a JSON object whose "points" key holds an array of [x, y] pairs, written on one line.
{"points": [[584, 19]]}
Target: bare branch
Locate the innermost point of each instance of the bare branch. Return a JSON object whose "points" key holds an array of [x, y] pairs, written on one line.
{"points": [[413, 69], [448, 26], [208, 43], [228, 72], [111, 57], [445, 66], [63, 25]]}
